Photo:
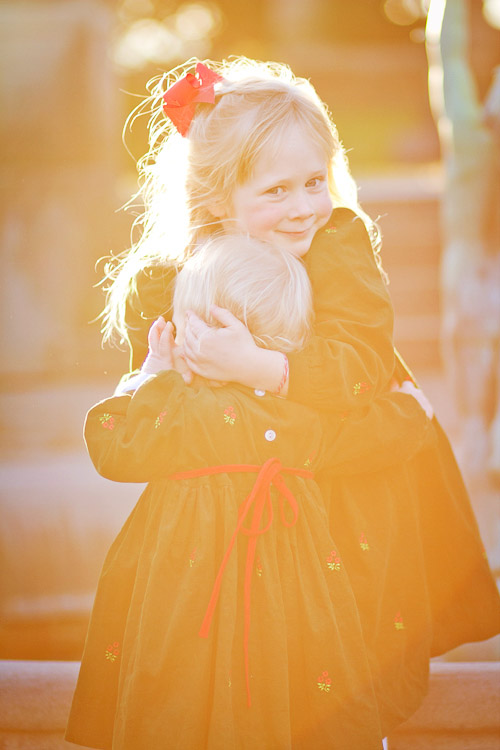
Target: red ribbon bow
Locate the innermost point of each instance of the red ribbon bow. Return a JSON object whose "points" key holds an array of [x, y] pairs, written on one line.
{"points": [[181, 98], [259, 499]]}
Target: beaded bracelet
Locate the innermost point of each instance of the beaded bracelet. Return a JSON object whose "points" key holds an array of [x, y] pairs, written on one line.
{"points": [[284, 377]]}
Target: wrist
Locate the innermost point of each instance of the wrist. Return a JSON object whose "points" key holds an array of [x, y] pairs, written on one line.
{"points": [[266, 371], [152, 365]]}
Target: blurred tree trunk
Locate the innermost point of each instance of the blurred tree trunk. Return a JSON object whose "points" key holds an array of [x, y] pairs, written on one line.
{"points": [[470, 270]]}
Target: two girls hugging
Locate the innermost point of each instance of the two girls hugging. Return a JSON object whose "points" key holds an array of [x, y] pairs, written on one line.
{"points": [[305, 543]]}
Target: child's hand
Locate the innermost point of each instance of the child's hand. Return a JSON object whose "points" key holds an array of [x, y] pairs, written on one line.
{"points": [[161, 348], [408, 387], [222, 354]]}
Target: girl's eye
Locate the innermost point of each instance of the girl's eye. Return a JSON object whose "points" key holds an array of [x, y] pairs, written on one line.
{"points": [[277, 190], [315, 182]]}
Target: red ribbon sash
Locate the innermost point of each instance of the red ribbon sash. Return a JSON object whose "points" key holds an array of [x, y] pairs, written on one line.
{"points": [[269, 474]]}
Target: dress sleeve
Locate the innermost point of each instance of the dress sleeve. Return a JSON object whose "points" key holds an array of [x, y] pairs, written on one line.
{"points": [[389, 431], [139, 438], [153, 297], [350, 358]]}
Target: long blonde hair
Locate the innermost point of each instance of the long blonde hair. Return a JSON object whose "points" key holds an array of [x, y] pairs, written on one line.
{"points": [[181, 178], [264, 286]]}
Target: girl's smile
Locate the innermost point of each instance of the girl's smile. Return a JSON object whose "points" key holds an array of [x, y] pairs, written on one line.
{"points": [[286, 200]]}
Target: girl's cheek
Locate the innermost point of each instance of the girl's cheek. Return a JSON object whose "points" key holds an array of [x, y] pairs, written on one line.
{"points": [[266, 217]]}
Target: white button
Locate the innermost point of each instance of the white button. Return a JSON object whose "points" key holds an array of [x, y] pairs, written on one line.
{"points": [[270, 435], [259, 393]]}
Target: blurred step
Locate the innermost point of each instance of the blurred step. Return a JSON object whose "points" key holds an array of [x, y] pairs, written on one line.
{"points": [[460, 712], [35, 698]]}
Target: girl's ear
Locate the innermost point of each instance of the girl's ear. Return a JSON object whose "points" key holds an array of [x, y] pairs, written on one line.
{"points": [[219, 210]]}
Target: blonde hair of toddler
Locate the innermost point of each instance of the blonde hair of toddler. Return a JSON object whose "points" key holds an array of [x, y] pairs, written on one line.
{"points": [[264, 286]]}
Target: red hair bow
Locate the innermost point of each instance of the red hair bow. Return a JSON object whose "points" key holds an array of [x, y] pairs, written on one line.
{"points": [[181, 98]]}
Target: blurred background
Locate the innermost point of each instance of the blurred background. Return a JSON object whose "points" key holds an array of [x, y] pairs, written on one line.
{"points": [[414, 88]]}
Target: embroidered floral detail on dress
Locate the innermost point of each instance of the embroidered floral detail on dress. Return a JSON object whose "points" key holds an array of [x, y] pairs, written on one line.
{"points": [[258, 567], [324, 682], [398, 621], [361, 387], [192, 558], [229, 415], [107, 421], [363, 543], [113, 651], [309, 459], [333, 561], [331, 230], [159, 419]]}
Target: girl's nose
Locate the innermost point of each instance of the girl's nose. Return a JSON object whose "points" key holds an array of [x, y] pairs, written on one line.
{"points": [[300, 206]]}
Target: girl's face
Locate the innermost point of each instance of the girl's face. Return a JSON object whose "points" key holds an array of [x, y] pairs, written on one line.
{"points": [[286, 200]]}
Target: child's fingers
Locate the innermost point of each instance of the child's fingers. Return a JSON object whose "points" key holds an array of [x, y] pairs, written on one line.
{"points": [[166, 333], [155, 332], [169, 329], [223, 316], [166, 343], [195, 327], [194, 332]]}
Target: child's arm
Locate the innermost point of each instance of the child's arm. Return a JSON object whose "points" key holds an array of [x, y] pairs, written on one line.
{"points": [[136, 436], [387, 432], [350, 357], [163, 354], [230, 354], [140, 437]]}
